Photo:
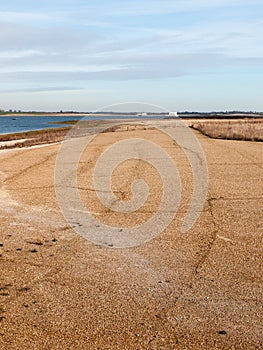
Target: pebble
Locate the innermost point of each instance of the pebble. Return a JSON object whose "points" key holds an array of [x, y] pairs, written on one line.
{"points": [[33, 251]]}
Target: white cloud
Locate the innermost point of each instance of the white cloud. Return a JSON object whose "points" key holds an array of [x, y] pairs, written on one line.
{"points": [[40, 89], [145, 67], [155, 7], [88, 41], [12, 16]]}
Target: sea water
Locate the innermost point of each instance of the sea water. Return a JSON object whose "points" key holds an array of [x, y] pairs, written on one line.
{"points": [[14, 124]]}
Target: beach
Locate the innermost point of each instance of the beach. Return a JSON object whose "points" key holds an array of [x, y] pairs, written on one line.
{"points": [[198, 290]]}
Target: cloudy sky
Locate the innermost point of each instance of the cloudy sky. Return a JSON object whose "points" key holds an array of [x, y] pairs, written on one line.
{"points": [[82, 54]]}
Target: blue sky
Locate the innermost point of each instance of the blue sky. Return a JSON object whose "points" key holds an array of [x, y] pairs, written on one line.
{"points": [[197, 55]]}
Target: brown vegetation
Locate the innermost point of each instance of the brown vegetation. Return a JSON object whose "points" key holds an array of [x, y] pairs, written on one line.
{"points": [[248, 130], [35, 137]]}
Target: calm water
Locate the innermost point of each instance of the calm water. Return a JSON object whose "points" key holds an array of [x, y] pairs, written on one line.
{"points": [[26, 123]]}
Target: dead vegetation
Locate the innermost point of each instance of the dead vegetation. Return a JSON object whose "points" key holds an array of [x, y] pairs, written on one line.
{"points": [[246, 130], [31, 138]]}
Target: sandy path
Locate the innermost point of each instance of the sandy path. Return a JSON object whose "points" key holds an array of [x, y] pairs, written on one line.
{"points": [[201, 290]]}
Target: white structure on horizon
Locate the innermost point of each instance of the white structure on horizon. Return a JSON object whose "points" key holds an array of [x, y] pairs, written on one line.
{"points": [[173, 114]]}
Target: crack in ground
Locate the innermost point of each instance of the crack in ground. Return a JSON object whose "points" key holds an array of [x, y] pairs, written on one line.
{"points": [[214, 237]]}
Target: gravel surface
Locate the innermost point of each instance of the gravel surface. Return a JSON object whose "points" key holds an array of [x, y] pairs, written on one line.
{"points": [[199, 290]]}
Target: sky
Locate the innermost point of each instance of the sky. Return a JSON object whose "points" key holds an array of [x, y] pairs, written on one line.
{"points": [[185, 55]]}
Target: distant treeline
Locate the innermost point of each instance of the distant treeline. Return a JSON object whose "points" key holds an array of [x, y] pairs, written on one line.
{"points": [[224, 114]]}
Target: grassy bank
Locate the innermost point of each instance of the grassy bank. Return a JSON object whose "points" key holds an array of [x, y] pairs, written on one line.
{"points": [[31, 138], [246, 130]]}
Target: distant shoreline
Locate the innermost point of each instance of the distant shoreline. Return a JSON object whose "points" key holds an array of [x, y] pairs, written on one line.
{"points": [[183, 115], [45, 114]]}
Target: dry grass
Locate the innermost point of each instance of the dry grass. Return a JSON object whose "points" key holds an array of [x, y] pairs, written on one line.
{"points": [[247, 130], [36, 137]]}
